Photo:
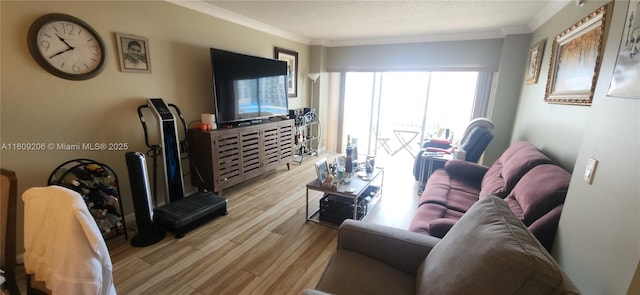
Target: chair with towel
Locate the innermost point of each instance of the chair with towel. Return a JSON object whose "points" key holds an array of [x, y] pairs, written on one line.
{"points": [[8, 229], [474, 142], [63, 245]]}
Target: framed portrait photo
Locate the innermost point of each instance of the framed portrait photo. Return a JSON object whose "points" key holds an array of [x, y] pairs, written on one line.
{"points": [[291, 58], [133, 52], [575, 61], [322, 170], [626, 72], [535, 60]]}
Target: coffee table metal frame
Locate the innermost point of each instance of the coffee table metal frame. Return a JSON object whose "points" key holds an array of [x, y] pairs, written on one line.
{"points": [[357, 184]]}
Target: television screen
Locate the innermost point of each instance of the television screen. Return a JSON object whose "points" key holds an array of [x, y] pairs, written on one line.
{"points": [[247, 87]]}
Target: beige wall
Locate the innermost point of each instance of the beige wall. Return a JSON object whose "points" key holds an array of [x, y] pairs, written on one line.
{"points": [[36, 106], [598, 240]]}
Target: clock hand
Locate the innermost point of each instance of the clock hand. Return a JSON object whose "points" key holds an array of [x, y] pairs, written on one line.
{"points": [[61, 52], [64, 41]]}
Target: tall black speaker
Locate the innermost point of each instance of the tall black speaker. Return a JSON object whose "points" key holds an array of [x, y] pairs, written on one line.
{"points": [[148, 234]]}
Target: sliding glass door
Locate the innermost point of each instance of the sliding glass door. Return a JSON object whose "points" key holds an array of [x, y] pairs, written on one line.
{"points": [[391, 113]]}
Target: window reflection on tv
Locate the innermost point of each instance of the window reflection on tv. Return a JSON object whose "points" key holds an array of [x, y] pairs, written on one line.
{"points": [[262, 97]]}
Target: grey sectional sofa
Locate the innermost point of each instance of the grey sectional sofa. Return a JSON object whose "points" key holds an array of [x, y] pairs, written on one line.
{"points": [[488, 251]]}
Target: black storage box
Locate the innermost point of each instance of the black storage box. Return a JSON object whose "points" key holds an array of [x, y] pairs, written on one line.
{"points": [[335, 209], [184, 215]]}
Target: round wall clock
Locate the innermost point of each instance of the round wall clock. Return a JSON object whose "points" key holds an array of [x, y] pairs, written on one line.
{"points": [[66, 46]]}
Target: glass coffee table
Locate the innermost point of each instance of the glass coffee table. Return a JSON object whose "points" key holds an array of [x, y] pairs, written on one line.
{"points": [[352, 199]]}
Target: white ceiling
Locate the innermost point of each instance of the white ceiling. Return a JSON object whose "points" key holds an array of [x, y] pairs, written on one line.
{"points": [[343, 22]]}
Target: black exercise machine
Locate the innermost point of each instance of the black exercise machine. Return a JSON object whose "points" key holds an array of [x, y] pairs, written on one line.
{"points": [[179, 214]]}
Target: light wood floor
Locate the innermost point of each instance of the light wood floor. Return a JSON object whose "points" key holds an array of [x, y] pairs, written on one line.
{"points": [[264, 245]]}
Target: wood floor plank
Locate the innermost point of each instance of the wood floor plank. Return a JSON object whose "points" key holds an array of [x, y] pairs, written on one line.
{"points": [[264, 245]]}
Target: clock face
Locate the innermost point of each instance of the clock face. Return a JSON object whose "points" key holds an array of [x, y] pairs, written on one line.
{"points": [[66, 47]]}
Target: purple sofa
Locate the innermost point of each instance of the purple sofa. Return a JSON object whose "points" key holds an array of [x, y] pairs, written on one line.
{"points": [[533, 187]]}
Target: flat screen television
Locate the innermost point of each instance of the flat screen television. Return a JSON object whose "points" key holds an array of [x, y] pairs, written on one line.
{"points": [[247, 88]]}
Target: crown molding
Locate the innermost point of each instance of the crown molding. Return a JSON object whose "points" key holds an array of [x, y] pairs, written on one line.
{"points": [[212, 10], [547, 12], [202, 6], [497, 34]]}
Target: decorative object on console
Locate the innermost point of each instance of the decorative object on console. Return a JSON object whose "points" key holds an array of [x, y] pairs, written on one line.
{"points": [[348, 167], [626, 72], [133, 52], [322, 170], [209, 119], [575, 61], [66, 46], [535, 60], [291, 57]]}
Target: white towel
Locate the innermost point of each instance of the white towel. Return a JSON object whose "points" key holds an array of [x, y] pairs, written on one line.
{"points": [[63, 245]]}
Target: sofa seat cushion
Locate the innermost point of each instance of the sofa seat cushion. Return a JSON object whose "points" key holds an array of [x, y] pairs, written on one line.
{"points": [[349, 272], [503, 175], [449, 192], [490, 242], [428, 214]]}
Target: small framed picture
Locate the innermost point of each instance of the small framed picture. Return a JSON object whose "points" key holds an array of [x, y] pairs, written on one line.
{"points": [[535, 60], [133, 52], [322, 170], [291, 58]]}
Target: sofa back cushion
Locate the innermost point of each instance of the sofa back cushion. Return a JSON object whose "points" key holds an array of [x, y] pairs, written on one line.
{"points": [[537, 200], [543, 188], [517, 160], [490, 251]]}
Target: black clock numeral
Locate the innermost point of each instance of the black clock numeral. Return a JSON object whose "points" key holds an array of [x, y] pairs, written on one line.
{"points": [[45, 44], [69, 27], [76, 68]]}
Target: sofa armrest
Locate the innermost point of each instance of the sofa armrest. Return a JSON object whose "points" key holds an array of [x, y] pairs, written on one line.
{"points": [[399, 248], [545, 227], [441, 226], [467, 170]]}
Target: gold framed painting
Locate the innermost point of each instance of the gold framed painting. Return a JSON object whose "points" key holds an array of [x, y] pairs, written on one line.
{"points": [[575, 61], [535, 60]]}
